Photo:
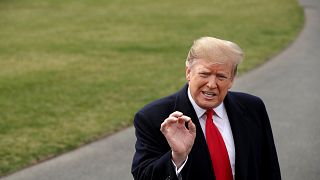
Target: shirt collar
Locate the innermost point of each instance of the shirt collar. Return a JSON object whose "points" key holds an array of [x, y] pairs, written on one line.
{"points": [[219, 110]]}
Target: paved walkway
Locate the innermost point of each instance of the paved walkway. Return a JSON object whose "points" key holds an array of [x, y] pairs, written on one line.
{"points": [[290, 86]]}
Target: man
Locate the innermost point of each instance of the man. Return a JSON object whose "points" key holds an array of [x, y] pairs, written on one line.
{"points": [[205, 131]]}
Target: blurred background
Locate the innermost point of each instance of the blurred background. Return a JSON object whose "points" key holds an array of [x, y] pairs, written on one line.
{"points": [[74, 71]]}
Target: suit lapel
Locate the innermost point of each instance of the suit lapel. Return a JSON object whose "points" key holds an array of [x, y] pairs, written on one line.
{"points": [[239, 125], [184, 105], [199, 155]]}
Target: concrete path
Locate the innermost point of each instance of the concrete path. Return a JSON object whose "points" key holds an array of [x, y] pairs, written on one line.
{"points": [[107, 159], [290, 86]]}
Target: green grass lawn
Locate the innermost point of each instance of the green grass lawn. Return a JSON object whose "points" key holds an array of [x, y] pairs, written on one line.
{"points": [[72, 71]]}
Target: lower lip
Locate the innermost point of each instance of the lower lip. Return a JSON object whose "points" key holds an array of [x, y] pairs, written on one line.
{"points": [[208, 97]]}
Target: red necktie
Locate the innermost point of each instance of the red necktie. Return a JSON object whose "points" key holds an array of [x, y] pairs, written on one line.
{"points": [[218, 151]]}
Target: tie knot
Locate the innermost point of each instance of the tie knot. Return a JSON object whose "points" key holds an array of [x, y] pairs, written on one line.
{"points": [[209, 113]]}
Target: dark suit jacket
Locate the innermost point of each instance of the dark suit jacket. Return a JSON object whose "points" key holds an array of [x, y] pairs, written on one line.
{"points": [[255, 151]]}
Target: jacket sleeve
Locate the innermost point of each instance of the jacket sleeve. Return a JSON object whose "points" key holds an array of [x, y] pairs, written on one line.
{"points": [[152, 159], [270, 165]]}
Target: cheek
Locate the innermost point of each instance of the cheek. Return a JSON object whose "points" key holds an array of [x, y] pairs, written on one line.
{"points": [[196, 86], [199, 83], [223, 91]]}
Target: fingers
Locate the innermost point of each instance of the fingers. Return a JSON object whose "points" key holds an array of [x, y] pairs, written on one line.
{"points": [[175, 117], [181, 118], [167, 123], [176, 114], [191, 126], [185, 118]]}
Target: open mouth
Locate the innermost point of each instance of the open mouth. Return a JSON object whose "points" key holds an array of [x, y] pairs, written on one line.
{"points": [[209, 95]]}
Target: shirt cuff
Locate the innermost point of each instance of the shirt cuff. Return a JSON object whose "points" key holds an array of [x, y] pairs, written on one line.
{"points": [[181, 167]]}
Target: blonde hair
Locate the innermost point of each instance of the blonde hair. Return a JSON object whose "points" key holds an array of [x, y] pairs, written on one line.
{"points": [[216, 50]]}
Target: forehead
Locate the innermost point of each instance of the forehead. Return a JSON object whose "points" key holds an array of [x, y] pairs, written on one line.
{"points": [[202, 64]]}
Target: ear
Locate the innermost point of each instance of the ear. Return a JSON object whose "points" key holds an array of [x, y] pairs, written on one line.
{"points": [[187, 73]]}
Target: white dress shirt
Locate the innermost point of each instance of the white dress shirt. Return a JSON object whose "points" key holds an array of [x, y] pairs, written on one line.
{"points": [[221, 120]]}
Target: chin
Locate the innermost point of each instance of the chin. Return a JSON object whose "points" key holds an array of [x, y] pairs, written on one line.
{"points": [[211, 104], [206, 105]]}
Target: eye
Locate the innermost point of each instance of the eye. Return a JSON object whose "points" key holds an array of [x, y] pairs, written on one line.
{"points": [[221, 77], [204, 74]]}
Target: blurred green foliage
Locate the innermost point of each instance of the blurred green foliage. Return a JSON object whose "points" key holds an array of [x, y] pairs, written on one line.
{"points": [[72, 71]]}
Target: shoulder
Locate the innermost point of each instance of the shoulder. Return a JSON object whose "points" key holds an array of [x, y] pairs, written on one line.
{"points": [[159, 105], [153, 114], [246, 102], [166, 105], [252, 107], [156, 112], [245, 98]]}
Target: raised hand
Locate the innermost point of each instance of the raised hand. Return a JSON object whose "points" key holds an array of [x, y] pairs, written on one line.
{"points": [[179, 137]]}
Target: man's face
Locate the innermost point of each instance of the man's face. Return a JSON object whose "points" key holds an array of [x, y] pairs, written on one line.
{"points": [[209, 82]]}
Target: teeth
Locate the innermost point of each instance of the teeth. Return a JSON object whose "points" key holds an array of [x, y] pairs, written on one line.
{"points": [[209, 93]]}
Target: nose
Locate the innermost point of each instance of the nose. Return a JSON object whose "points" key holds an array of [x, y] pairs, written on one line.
{"points": [[212, 83]]}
